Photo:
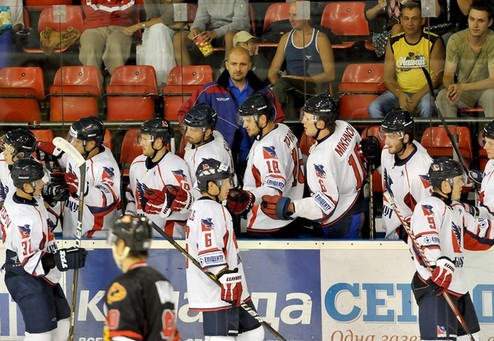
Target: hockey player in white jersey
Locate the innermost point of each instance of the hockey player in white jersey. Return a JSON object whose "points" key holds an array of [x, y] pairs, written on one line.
{"points": [[211, 241], [102, 204], [158, 180], [33, 263], [404, 168], [203, 141], [443, 228], [335, 175], [274, 167], [486, 178]]}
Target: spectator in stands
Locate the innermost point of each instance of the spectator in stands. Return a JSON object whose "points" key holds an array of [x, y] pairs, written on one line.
{"points": [[217, 21], [309, 63], [104, 40], [470, 57], [225, 96], [411, 56], [157, 40], [384, 18], [260, 64], [11, 22]]}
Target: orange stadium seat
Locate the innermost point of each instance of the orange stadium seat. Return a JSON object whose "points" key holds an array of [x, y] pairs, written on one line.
{"points": [[44, 135], [130, 150], [75, 93], [182, 82], [22, 92], [360, 85], [437, 142], [131, 93], [46, 3], [347, 20], [376, 176], [107, 139], [47, 18], [276, 11]]}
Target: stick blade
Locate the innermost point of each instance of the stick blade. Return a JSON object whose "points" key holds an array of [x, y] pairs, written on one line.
{"points": [[66, 147]]}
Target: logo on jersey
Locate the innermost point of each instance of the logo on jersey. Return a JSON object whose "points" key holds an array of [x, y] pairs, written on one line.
{"points": [[320, 172], [25, 230], [441, 331], [207, 224], [426, 181], [179, 175], [387, 182], [427, 210], [269, 152], [456, 242], [116, 293], [141, 188], [108, 173]]}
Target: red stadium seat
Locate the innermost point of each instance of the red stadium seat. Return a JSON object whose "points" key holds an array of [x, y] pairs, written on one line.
{"points": [[46, 3], [75, 93], [73, 19], [437, 142], [182, 82], [130, 150], [360, 85], [45, 135], [107, 139], [347, 20], [275, 12], [131, 93], [22, 92]]}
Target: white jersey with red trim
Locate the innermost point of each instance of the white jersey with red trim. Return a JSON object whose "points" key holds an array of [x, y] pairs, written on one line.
{"points": [[407, 181], [102, 205], [274, 167], [445, 231], [486, 196], [6, 183], [147, 176], [217, 149], [335, 174], [211, 240], [28, 232]]}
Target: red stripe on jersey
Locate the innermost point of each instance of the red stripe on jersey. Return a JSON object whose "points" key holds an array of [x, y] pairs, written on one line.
{"points": [[126, 333]]}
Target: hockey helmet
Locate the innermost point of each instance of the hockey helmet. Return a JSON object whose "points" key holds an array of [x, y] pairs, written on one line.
{"points": [[158, 127], [324, 107], [201, 116], [26, 171], [398, 121], [211, 170], [88, 129], [444, 169], [22, 140], [257, 104], [136, 232], [489, 130]]}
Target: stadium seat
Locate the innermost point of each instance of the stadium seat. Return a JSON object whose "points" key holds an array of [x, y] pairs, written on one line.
{"points": [[107, 139], [131, 93], [73, 19], [130, 150], [376, 176], [277, 11], [44, 135], [22, 92], [182, 82], [46, 3], [360, 85], [347, 20], [75, 93], [437, 142]]}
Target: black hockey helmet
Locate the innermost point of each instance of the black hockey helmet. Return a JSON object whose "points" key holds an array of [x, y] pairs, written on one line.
{"points": [[211, 170], [201, 116], [88, 129], [444, 169], [257, 104], [398, 121], [323, 106], [21, 139], [136, 232], [158, 127], [26, 171], [489, 130]]}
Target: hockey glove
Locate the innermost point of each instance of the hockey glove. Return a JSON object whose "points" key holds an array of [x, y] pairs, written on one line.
{"points": [[177, 199], [276, 207], [476, 177], [72, 183], [154, 200], [371, 150], [441, 275], [48, 262], [239, 201], [71, 258], [231, 286], [57, 189], [47, 151]]}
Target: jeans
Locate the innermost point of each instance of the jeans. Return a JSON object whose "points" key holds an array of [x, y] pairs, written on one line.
{"points": [[387, 102]]}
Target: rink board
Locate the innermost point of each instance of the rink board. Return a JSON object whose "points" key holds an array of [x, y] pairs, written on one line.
{"points": [[306, 290]]}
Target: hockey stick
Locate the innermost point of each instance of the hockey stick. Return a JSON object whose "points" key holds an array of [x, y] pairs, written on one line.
{"points": [[194, 261], [80, 162], [421, 252]]}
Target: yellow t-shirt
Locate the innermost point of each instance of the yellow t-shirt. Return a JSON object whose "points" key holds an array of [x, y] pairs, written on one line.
{"points": [[410, 58]]}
